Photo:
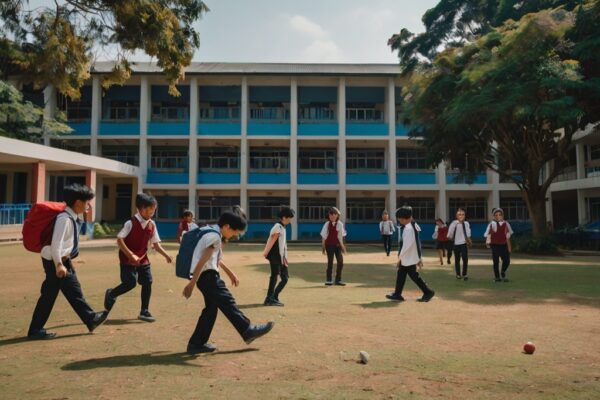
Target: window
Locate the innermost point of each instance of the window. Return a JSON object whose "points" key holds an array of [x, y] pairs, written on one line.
{"points": [[594, 208], [220, 111], [269, 159], [514, 209], [475, 209], [211, 208], [169, 111], [219, 158], [365, 210], [411, 159], [170, 207], [171, 158], [269, 111], [423, 207], [75, 110], [314, 209], [363, 112], [316, 112], [317, 159], [125, 154], [124, 110], [365, 159], [71, 145], [595, 152], [266, 208]]}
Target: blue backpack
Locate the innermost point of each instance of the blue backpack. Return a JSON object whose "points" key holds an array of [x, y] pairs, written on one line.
{"points": [[183, 262]]}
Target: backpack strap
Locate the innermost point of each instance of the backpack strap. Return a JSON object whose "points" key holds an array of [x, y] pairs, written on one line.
{"points": [[417, 239]]}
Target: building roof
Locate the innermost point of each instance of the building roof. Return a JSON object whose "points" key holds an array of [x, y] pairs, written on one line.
{"points": [[210, 68]]}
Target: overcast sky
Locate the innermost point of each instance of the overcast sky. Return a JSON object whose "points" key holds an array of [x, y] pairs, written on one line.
{"points": [[312, 31]]}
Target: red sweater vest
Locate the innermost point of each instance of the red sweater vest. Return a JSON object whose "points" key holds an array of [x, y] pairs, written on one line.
{"points": [[137, 242], [332, 235], [442, 234], [499, 237]]}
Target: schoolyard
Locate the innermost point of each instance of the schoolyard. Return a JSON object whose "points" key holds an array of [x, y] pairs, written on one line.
{"points": [[464, 344]]}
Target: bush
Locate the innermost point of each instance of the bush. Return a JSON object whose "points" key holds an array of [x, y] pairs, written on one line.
{"points": [[543, 245], [105, 230]]}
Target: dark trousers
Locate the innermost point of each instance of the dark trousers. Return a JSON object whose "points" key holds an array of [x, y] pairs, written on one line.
{"points": [[277, 269], [449, 251], [411, 271], [337, 251], [387, 243], [461, 251], [500, 251], [216, 297], [129, 275], [70, 288]]}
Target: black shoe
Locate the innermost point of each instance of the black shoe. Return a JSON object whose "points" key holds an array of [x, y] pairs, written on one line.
{"points": [[340, 283], [146, 316], [98, 320], [41, 335], [109, 301], [466, 278], [448, 262], [426, 297], [255, 331], [394, 296], [205, 348], [273, 302], [497, 280]]}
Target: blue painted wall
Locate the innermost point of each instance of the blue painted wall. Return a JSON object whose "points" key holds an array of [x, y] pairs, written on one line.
{"points": [[402, 130], [219, 177], [168, 128], [318, 129], [119, 128], [453, 178], [379, 178], [167, 230], [366, 129], [310, 230], [317, 178], [167, 178], [418, 178], [260, 230], [81, 128], [219, 128], [269, 128], [268, 178]]}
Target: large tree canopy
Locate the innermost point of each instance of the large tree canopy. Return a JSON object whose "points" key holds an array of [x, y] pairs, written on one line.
{"points": [[54, 45]]}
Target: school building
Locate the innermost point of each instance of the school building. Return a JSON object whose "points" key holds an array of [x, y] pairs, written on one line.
{"points": [[264, 135]]}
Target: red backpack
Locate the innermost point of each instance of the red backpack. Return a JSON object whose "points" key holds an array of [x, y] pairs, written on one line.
{"points": [[39, 225]]}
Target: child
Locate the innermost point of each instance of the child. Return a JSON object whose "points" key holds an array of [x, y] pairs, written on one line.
{"points": [[332, 242], [205, 275], [277, 256], [409, 258], [498, 234], [133, 242], [58, 266], [440, 234], [386, 228], [460, 234], [186, 224]]}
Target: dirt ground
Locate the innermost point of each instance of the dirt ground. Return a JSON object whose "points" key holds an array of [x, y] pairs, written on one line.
{"points": [[464, 344]]}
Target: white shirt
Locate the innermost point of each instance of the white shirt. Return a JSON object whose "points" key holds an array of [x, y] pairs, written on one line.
{"points": [[457, 233], [493, 226], [126, 230], [62, 238], [339, 228], [211, 239], [280, 229], [387, 227], [409, 255]]}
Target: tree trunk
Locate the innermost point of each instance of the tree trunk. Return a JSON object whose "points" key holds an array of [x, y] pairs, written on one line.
{"points": [[536, 204]]}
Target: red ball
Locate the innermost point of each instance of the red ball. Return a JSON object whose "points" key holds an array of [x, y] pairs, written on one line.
{"points": [[529, 348]]}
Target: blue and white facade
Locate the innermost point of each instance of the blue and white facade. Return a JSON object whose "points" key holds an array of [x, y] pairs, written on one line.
{"points": [[264, 135]]}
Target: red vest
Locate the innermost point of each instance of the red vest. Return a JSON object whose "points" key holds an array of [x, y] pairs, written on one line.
{"points": [[137, 242], [332, 234], [442, 234], [499, 237]]}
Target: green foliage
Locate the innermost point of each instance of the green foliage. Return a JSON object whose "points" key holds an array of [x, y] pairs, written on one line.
{"points": [[105, 230], [545, 245]]}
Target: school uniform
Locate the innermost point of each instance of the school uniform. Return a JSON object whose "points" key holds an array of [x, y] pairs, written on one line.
{"points": [[63, 249], [409, 257], [137, 234], [333, 233], [440, 234], [387, 229], [185, 227], [498, 234], [277, 257], [460, 234], [216, 295]]}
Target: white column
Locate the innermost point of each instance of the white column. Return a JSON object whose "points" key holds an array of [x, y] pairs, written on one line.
{"points": [[391, 120], [580, 157], [144, 117], [581, 207], [99, 197], [193, 153], [244, 162], [442, 205], [294, 153], [49, 108], [96, 114], [494, 196], [342, 145]]}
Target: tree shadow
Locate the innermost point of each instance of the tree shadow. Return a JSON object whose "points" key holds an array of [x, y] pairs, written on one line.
{"points": [[23, 339], [379, 304], [254, 305], [123, 321]]}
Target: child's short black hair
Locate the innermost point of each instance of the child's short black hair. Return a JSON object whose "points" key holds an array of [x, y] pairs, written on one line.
{"points": [[75, 192], [143, 200], [235, 218], [286, 212], [404, 212], [187, 213]]}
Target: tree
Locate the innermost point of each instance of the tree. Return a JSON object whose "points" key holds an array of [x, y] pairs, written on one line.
{"points": [[55, 45], [514, 97]]}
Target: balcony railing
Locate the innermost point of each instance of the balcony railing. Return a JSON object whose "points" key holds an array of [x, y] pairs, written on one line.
{"points": [[568, 174], [364, 115], [269, 114], [308, 114], [13, 213], [592, 168], [220, 113]]}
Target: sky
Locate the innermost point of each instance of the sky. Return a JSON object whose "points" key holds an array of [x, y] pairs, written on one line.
{"points": [[306, 31]]}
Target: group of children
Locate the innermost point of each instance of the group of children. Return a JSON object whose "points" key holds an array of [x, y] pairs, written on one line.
{"points": [[140, 232]]}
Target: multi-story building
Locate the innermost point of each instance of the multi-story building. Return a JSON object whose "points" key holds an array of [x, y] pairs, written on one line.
{"points": [[306, 135]]}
